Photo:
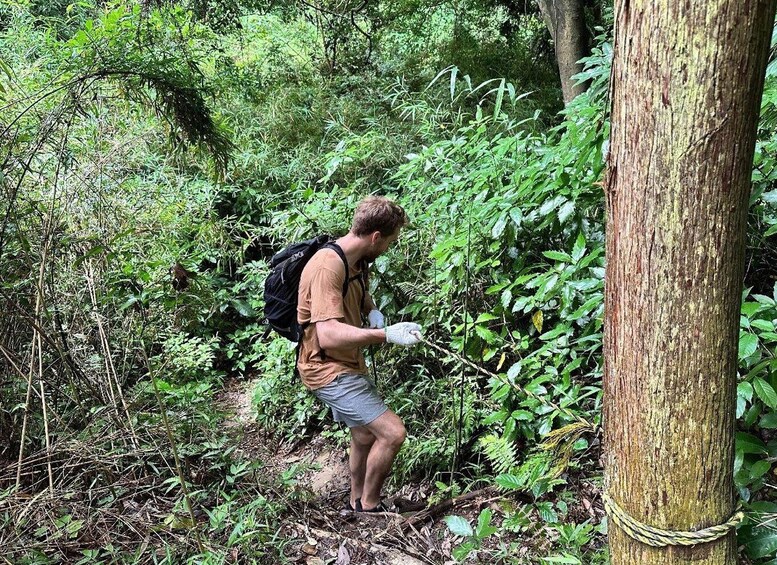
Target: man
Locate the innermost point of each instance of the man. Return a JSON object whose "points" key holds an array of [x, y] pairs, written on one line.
{"points": [[330, 360]]}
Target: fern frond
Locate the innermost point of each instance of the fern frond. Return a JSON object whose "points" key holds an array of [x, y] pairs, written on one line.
{"points": [[500, 452]]}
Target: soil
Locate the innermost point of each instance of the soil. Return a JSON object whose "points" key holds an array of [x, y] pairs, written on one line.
{"points": [[322, 532], [328, 533]]}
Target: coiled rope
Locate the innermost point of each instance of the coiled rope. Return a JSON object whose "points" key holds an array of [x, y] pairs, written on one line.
{"points": [[656, 537]]}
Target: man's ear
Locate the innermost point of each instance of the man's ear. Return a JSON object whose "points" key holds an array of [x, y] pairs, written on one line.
{"points": [[376, 235]]}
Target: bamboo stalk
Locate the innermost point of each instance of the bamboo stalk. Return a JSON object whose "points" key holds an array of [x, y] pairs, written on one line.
{"points": [[45, 416], [110, 368], [25, 415], [174, 448]]}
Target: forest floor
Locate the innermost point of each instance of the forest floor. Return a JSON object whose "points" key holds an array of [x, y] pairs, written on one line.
{"points": [[317, 527]]}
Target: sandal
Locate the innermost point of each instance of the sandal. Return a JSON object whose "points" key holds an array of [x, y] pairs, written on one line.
{"points": [[381, 507], [350, 508]]}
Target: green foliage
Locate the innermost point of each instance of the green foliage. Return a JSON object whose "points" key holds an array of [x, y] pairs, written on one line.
{"points": [[759, 534], [502, 264], [474, 537], [756, 396]]}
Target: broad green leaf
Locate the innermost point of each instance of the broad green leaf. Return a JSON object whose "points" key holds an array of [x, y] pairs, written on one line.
{"points": [[557, 256], [761, 541], [552, 334], [747, 443], [749, 309], [748, 343], [522, 415], [562, 559], [243, 308], [770, 197], [579, 249], [759, 469], [510, 482], [745, 390], [514, 370], [769, 337], [484, 527], [566, 210], [129, 302], [586, 308], [764, 325], [741, 406], [546, 512], [752, 414], [769, 421], [485, 317], [460, 553], [459, 526], [495, 417], [485, 334], [499, 226], [550, 205], [765, 392]]}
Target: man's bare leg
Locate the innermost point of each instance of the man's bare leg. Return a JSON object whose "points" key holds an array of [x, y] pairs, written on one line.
{"points": [[362, 440], [389, 433]]}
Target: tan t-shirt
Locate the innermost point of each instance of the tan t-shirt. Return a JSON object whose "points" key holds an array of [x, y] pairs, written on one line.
{"points": [[321, 298]]}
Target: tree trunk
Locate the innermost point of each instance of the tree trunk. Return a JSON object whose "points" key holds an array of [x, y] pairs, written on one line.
{"points": [[687, 81], [565, 19]]}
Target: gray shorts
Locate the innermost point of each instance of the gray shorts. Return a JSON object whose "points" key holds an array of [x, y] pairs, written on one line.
{"points": [[354, 399]]}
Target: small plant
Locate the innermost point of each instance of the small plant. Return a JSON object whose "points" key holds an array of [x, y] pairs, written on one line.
{"points": [[473, 537]]}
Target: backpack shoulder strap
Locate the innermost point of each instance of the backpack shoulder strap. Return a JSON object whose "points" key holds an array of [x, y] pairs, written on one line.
{"points": [[363, 281], [332, 245]]}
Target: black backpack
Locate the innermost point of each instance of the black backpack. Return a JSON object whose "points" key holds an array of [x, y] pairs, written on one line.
{"points": [[282, 284]]}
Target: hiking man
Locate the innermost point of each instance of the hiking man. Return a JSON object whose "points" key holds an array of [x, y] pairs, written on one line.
{"points": [[331, 363]]}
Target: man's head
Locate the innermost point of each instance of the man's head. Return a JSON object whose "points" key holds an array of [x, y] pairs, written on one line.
{"points": [[377, 220]]}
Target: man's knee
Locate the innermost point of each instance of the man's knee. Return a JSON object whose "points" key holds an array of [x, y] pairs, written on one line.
{"points": [[389, 429], [362, 437], [398, 436]]}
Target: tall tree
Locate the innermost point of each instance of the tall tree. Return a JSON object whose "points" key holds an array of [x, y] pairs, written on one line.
{"points": [[687, 80], [565, 19]]}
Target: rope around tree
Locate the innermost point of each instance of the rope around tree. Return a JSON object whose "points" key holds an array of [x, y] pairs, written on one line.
{"points": [[657, 537]]}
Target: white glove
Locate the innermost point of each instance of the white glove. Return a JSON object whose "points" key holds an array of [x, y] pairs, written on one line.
{"points": [[404, 333], [376, 320]]}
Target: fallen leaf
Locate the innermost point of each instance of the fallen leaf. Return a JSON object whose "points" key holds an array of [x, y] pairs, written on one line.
{"points": [[309, 549], [343, 557]]}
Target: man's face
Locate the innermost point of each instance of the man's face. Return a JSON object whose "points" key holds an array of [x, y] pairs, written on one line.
{"points": [[380, 244]]}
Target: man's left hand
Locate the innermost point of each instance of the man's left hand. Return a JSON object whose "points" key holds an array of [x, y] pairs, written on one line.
{"points": [[376, 319]]}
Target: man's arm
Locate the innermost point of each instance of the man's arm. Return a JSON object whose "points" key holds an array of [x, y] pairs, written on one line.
{"points": [[334, 334]]}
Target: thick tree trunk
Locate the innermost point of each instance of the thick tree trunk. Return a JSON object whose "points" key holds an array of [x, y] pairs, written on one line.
{"points": [[565, 19], [687, 80]]}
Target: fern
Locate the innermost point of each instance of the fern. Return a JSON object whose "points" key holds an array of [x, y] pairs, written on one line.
{"points": [[500, 452]]}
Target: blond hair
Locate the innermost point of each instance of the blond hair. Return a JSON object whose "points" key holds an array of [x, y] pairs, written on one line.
{"points": [[378, 213]]}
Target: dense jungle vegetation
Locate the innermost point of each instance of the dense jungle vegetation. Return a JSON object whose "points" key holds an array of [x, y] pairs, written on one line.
{"points": [[156, 153]]}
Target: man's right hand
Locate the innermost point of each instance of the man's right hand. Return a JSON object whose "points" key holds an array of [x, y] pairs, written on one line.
{"points": [[404, 333]]}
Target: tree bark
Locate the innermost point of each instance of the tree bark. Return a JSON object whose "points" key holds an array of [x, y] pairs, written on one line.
{"points": [[565, 19], [687, 81]]}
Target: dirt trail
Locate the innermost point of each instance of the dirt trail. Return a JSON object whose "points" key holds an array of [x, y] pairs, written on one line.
{"points": [[328, 533]]}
